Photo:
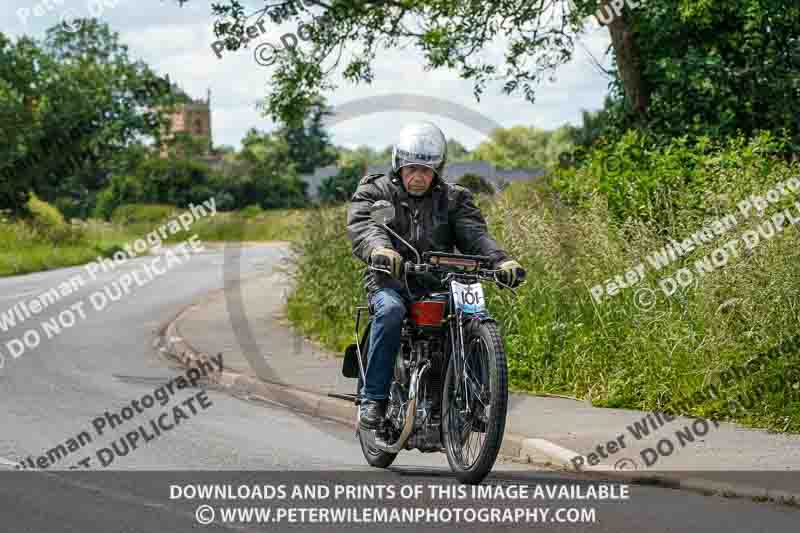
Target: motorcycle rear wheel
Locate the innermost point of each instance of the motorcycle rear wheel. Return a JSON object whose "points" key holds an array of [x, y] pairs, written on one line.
{"points": [[487, 391]]}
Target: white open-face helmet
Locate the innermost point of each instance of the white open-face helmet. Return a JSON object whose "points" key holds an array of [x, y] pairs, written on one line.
{"points": [[420, 143]]}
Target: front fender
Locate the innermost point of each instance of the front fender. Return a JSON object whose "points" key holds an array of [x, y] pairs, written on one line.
{"points": [[481, 318]]}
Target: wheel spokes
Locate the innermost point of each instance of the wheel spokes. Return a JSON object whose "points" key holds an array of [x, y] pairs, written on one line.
{"points": [[462, 425]]}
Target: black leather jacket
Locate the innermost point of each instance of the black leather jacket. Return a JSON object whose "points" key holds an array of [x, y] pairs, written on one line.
{"points": [[445, 218]]}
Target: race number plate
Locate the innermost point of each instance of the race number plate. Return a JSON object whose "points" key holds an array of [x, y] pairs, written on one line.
{"points": [[468, 298]]}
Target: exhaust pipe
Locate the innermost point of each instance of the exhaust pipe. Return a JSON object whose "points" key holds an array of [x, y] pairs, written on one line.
{"points": [[411, 415]]}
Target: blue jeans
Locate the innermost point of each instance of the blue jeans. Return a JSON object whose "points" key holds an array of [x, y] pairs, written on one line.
{"points": [[384, 341]]}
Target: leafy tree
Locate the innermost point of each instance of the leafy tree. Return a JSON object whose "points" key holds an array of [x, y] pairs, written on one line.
{"points": [[174, 181], [68, 106], [186, 145], [717, 68], [273, 180], [340, 188], [523, 147], [309, 144], [262, 173], [363, 156], [121, 190], [227, 152]]}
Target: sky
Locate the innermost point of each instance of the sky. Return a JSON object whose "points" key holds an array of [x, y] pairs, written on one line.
{"points": [[177, 41]]}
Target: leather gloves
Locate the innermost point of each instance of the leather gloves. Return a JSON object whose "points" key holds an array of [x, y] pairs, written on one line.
{"points": [[388, 259], [512, 273]]}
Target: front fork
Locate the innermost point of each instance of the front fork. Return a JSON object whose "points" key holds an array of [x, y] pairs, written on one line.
{"points": [[458, 353]]}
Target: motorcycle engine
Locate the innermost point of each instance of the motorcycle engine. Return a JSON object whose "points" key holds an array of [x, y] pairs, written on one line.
{"points": [[427, 436]]}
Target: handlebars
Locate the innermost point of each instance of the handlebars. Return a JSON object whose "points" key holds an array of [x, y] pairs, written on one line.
{"points": [[427, 268], [382, 214], [447, 271]]}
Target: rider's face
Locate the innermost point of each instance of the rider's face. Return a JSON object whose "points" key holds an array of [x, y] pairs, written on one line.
{"points": [[416, 178]]}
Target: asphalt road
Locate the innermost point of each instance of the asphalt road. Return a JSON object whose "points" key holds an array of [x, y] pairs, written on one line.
{"points": [[53, 395]]}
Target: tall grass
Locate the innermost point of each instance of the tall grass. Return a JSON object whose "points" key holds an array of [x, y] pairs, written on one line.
{"points": [[572, 235], [27, 247], [329, 279]]}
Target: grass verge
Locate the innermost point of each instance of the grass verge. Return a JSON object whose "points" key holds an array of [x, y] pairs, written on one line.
{"points": [[28, 247]]}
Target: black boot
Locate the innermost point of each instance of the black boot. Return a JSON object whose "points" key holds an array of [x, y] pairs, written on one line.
{"points": [[372, 413]]}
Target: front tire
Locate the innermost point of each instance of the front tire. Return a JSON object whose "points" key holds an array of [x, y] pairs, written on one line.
{"points": [[488, 404]]}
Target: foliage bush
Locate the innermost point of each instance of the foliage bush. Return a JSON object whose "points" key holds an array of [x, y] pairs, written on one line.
{"points": [[43, 214], [340, 188], [121, 190], [651, 183], [47, 223], [41, 239]]}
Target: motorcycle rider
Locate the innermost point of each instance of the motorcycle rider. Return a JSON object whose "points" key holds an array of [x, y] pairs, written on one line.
{"points": [[431, 215]]}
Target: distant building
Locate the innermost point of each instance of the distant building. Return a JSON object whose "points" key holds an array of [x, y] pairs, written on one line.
{"points": [[453, 172], [194, 119]]}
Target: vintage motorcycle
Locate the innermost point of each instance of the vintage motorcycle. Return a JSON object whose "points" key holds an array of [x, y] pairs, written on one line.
{"points": [[449, 392]]}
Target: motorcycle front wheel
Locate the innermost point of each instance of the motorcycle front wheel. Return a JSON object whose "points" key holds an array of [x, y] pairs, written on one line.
{"points": [[474, 413]]}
